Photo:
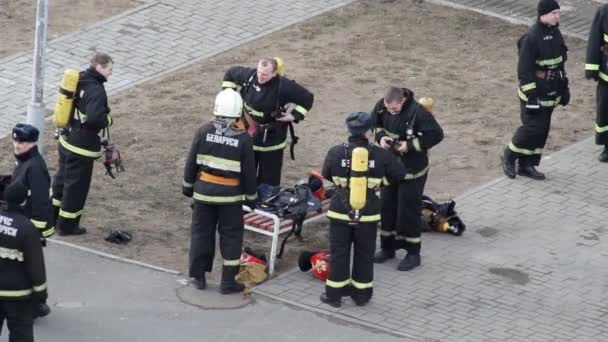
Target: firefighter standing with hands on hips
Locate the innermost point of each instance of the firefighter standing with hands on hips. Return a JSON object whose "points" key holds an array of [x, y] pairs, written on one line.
{"points": [[409, 130], [596, 68], [31, 171], [81, 145], [543, 85], [23, 278], [266, 95], [357, 169], [219, 175]]}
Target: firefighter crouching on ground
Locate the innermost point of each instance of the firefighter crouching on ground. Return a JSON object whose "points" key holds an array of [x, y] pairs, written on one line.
{"points": [[31, 171], [266, 94], [596, 68], [542, 87], [409, 130], [219, 175], [81, 145], [354, 211], [23, 280]]}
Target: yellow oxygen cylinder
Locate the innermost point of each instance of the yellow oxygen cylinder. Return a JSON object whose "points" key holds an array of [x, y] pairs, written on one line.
{"points": [[280, 66], [427, 103], [65, 99], [358, 178]]}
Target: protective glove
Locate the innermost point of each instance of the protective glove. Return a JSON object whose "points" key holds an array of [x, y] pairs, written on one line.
{"points": [[565, 97], [592, 75], [187, 191]]}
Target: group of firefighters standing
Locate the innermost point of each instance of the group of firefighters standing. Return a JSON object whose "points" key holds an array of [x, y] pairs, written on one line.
{"points": [[242, 147]]}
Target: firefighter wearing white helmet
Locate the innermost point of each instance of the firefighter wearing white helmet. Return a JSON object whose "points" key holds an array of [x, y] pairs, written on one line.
{"points": [[219, 175]]}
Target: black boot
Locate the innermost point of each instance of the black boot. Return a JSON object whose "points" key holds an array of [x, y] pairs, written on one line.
{"points": [[200, 282], [410, 262], [229, 285], [530, 172], [335, 302], [508, 163], [41, 310], [383, 255], [604, 155]]}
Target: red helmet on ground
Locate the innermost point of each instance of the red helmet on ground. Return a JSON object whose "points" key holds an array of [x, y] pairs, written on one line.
{"points": [[249, 255], [315, 182], [317, 261]]}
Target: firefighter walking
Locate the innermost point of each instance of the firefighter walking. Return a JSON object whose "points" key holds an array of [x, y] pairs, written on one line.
{"points": [[31, 171], [543, 85], [219, 175], [596, 68], [80, 145], [23, 280], [266, 95], [357, 169], [409, 130]]}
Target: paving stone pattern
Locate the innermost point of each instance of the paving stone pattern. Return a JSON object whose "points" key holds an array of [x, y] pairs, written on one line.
{"points": [[532, 265], [149, 41]]}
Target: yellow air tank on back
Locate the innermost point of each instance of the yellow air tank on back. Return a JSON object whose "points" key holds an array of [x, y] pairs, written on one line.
{"points": [[358, 178], [427, 103], [65, 99]]}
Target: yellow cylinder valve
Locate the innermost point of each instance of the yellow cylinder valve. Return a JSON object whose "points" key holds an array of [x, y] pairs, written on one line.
{"points": [[427, 103], [358, 178], [65, 99], [280, 66]]}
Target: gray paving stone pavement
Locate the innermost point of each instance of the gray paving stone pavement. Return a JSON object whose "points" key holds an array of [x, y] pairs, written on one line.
{"points": [[532, 265], [149, 41]]}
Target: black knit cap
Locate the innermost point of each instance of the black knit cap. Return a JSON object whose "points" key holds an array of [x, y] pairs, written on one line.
{"points": [[358, 123], [547, 6], [15, 193]]}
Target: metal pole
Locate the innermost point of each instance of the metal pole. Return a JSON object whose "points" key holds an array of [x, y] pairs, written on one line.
{"points": [[35, 110]]}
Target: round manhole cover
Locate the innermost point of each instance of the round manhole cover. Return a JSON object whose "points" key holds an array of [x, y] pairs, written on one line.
{"points": [[211, 298]]}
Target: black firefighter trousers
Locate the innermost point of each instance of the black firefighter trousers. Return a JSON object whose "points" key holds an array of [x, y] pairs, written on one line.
{"points": [[269, 165], [19, 316], [341, 281], [529, 139], [601, 120], [70, 189], [401, 225], [206, 220]]}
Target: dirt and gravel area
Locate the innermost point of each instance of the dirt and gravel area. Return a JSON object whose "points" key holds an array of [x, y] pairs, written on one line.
{"points": [[464, 60], [18, 27]]}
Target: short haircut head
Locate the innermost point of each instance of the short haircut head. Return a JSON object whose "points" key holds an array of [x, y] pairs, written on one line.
{"points": [[269, 61], [101, 58], [394, 94]]}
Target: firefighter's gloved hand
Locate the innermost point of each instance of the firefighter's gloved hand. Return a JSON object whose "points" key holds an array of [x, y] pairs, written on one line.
{"points": [[592, 75], [565, 97], [533, 103], [188, 191], [43, 242]]}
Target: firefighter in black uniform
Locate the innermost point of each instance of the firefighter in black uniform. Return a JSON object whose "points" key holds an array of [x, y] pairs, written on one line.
{"points": [[542, 87], [220, 176], [596, 68], [267, 97], [23, 280], [409, 130], [81, 145], [349, 227], [32, 172]]}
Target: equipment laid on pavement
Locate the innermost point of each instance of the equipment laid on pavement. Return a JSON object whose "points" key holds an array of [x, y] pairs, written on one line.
{"points": [[65, 99], [319, 262], [441, 217]]}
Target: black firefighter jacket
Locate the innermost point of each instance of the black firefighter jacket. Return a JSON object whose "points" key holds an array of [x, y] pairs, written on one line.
{"points": [[32, 172], [264, 102], [383, 169], [223, 156], [91, 115], [21, 260], [415, 126], [540, 68], [597, 45]]}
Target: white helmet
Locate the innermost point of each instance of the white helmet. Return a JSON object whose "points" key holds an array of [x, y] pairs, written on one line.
{"points": [[228, 104]]}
